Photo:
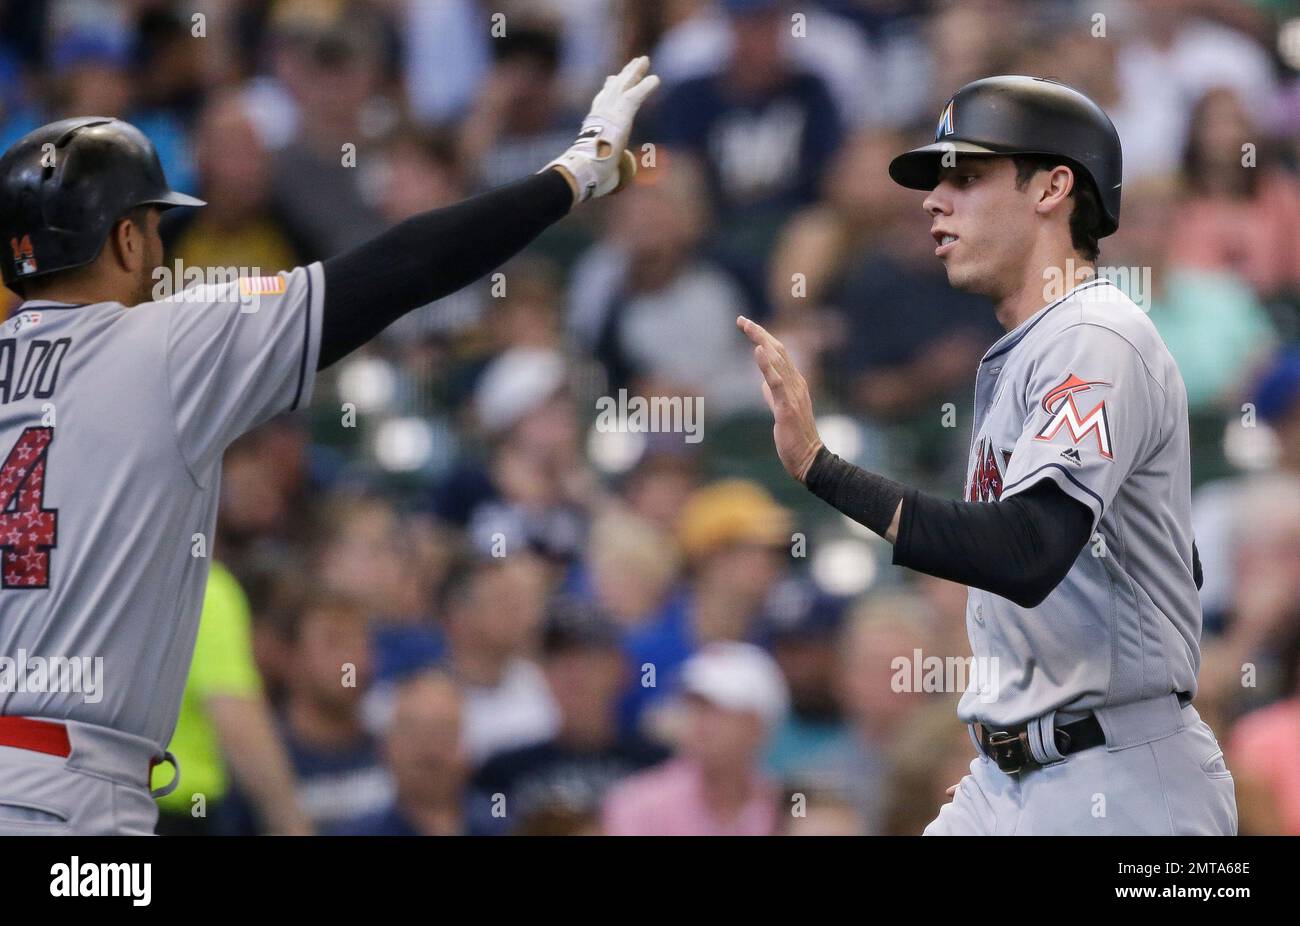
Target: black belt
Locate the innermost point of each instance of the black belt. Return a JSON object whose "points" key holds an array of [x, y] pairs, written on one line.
{"points": [[1009, 746]]}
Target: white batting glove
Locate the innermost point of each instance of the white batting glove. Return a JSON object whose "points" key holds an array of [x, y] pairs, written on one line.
{"points": [[599, 161]]}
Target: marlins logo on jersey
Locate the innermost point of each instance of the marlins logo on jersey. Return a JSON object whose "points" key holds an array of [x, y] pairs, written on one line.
{"points": [[987, 472], [1059, 403]]}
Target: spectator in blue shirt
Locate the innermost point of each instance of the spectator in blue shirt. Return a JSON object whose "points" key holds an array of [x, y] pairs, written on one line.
{"points": [[424, 751], [568, 774], [764, 130], [341, 777]]}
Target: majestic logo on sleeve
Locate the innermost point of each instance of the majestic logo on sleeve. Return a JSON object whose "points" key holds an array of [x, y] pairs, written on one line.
{"points": [[1060, 405]]}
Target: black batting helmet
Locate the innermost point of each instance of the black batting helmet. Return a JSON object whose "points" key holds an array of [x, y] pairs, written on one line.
{"points": [[63, 186], [1023, 115]]}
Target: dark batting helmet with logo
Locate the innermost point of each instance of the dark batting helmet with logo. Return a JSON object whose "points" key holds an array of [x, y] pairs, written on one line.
{"points": [[64, 186], [1023, 115]]}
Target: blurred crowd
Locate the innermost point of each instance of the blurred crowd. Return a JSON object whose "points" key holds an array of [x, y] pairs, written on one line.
{"points": [[444, 602]]}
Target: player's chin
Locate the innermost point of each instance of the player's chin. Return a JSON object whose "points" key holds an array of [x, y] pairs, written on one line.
{"points": [[961, 276]]}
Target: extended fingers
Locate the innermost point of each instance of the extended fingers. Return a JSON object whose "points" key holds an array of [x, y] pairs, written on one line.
{"points": [[767, 364], [633, 71], [761, 337], [753, 330], [637, 94]]}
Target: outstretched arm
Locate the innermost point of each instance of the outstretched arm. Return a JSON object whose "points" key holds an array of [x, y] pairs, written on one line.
{"points": [[436, 253], [1020, 548]]}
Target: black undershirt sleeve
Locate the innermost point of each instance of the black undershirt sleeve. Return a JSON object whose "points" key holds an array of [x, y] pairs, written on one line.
{"points": [[866, 497], [432, 255], [1019, 548]]}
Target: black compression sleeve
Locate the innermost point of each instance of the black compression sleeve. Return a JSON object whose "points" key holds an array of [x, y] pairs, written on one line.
{"points": [[1019, 548], [865, 497], [430, 256]]}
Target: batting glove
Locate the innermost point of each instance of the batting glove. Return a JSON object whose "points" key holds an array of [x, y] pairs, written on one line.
{"points": [[599, 161]]}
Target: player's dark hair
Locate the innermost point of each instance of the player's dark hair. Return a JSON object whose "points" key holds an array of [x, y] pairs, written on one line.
{"points": [[1085, 220], [30, 289]]}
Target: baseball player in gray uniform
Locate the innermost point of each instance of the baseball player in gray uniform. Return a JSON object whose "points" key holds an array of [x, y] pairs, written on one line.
{"points": [[116, 407], [1074, 535]]}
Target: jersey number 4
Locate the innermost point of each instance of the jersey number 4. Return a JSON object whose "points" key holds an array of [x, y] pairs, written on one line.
{"points": [[27, 530]]}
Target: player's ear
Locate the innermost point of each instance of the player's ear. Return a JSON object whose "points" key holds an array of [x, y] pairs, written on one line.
{"points": [[127, 241], [119, 246], [1057, 184]]}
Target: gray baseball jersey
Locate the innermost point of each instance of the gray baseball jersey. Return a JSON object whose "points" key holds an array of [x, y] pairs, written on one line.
{"points": [[113, 422], [1084, 393]]}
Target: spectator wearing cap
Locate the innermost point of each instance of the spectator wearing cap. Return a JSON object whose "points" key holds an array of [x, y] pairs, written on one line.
{"points": [[534, 488], [698, 40], [423, 748], [570, 773], [734, 539], [734, 698], [800, 627], [764, 128]]}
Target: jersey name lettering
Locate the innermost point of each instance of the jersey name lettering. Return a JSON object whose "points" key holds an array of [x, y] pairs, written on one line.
{"points": [[37, 374]]}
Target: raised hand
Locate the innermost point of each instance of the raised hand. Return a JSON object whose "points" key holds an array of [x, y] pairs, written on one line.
{"points": [[786, 392], [598, 161]]}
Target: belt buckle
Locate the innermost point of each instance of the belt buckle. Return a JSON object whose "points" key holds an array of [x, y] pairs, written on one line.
{"points": [[1008, 750]]}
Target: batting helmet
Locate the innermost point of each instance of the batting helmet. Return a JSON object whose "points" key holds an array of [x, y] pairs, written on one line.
{"points": [[1023, 115], [64, 186]]}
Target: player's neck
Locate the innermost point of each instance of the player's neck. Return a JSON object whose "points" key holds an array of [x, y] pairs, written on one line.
{"points": [[82, 291], [1046, 279]]}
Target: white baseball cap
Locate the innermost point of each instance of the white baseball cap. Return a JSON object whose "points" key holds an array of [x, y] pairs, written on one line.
{"points": [[738, 677], [515, 383]]}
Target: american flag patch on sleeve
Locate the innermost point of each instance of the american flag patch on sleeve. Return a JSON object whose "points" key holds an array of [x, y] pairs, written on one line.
{"points": [[261, 286]]}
